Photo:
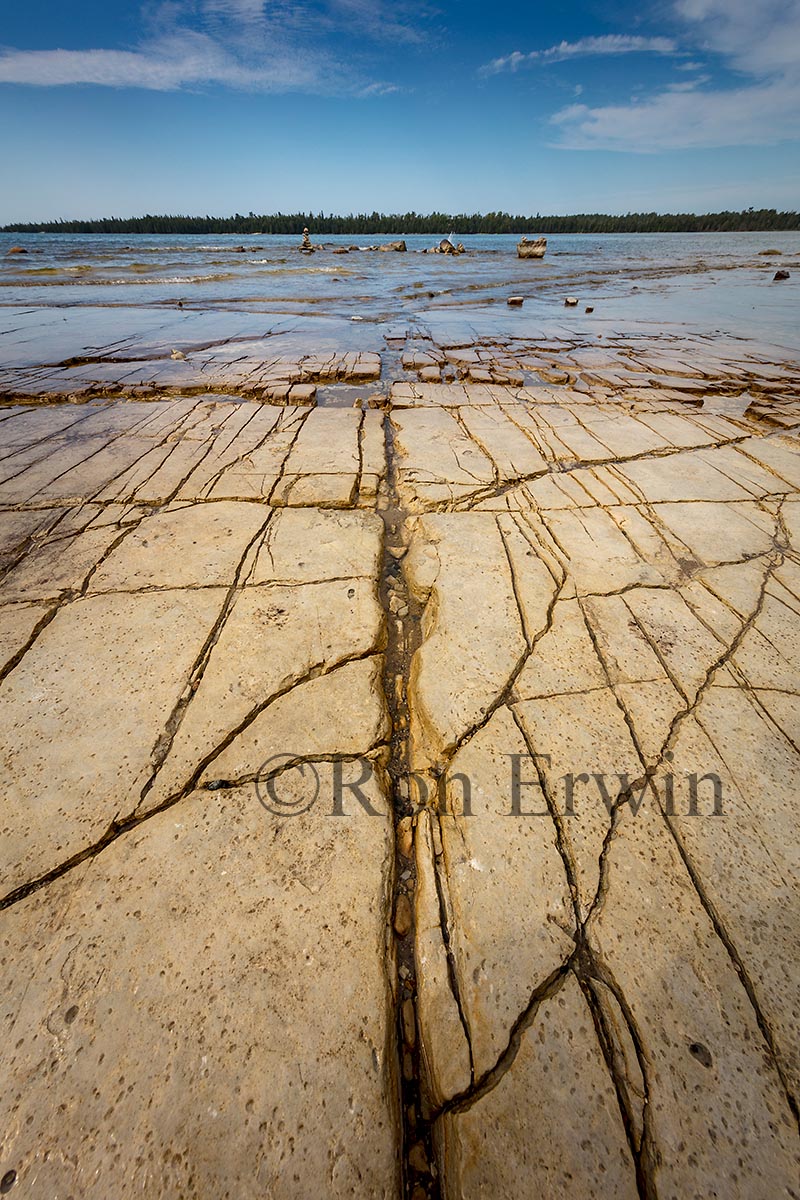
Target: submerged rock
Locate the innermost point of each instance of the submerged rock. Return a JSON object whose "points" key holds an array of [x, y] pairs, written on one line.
{"points": [[780, 275]]}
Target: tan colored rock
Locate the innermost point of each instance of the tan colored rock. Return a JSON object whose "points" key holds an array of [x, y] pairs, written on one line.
{"points": [[170, 1035], [505, 1143], [79, 742]]}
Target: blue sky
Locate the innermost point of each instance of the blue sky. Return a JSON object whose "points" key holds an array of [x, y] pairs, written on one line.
{"points": [[220, 106]]}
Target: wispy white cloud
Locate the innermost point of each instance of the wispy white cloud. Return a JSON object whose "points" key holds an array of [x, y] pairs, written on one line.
{"points": [[380, 89], [251, 45], [748, 116], [688, 85], [181, 60], [756, 39], [608, 44]]}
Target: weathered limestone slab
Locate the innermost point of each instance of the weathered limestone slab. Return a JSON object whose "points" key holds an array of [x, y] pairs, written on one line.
{"points": [[206, 1011], [663, 573], [439, 462], [82, 712], [552, 1121], [182, 547]]}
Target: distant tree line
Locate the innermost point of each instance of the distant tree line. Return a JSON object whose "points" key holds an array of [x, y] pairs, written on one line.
{"points": [[433, 223]]}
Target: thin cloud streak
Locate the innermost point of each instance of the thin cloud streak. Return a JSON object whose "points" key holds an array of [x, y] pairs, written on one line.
{"points": [[609, 44], [183, 60]]}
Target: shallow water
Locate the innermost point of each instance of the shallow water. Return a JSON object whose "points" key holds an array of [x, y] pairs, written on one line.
{"points": [[709, 281]]}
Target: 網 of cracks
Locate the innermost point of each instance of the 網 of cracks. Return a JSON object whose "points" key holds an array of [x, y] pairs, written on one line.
{"points": [[121, 825], [531, 639], [593, 975]]}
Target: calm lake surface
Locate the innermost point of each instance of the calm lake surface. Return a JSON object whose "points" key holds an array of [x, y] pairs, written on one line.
{"points": [[714, 282]]}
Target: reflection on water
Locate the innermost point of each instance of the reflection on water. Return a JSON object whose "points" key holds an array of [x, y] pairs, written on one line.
{"points": [[692, 278]]}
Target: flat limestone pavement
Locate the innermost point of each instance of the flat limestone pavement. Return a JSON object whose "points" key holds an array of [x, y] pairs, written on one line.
{"points": [[606, 981], [198, 995], [562, 633]]}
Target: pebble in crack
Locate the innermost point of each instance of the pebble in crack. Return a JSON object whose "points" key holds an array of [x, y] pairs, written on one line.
{"points": [[402, 915]]}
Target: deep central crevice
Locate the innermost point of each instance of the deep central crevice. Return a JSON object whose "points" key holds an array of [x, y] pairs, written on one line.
{"points": [[403, 613]]}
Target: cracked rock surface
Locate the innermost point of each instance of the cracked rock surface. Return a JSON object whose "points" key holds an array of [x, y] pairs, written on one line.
{"points": [[550, 946]]}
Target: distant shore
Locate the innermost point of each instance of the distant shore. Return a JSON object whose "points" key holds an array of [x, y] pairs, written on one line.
{"points": [[750, 220]]}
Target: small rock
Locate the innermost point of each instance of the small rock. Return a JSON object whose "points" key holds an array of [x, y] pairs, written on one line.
{"points": [[570, 301], [397, 551], [419, 1193], [780, 275], [405, 832], [409, 1024], [395, 604], [408, 1066], [178, 355], [403, 612], [589, 308], [16, 250], [402, 915], [418, 1159], [767, 252], [516, 301]]}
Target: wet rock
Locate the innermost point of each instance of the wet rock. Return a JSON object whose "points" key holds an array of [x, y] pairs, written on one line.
{"points": [[398, 247], [765, 253], [302, 393], [418, 1159], [405, 835], [402, 915], [16, 250], [570, 301], [515, 301], [531, 249], [780, 275], [589, 308], [409, 1024]]}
